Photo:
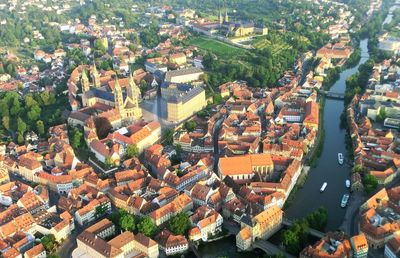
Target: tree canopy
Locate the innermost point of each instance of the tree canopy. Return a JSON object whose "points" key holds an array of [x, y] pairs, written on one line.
{"points": [[179, 224]]}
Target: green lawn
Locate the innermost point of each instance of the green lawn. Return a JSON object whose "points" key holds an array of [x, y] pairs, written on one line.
{"points": [[218, 48]]}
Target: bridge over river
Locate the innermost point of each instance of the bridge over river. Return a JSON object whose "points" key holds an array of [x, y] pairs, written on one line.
{"points": [[273, 249], [332, 95]]}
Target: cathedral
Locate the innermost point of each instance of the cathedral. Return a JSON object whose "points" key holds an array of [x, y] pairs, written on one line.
{"points": [[121, 94]]}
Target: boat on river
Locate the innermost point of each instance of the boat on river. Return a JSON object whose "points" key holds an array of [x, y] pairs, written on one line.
{"points": [[323, 187], [345, 199], [348, 183], [340, 158]]}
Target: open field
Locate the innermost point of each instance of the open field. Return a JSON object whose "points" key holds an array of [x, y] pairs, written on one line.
{"points": [[221, 49]]}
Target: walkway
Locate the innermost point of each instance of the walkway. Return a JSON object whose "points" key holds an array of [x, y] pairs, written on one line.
{"points": [[350, 220], [270, 248], [332, 95]]}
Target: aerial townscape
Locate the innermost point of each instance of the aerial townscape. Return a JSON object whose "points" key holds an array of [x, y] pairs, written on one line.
{"points": [[199, 128]]}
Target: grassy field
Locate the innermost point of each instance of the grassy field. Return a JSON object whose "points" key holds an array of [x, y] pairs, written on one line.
{"points": [[218, 48]]}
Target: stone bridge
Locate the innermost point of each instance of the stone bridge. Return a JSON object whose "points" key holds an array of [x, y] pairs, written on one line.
{"points": [[270, 248], [332, 95]]}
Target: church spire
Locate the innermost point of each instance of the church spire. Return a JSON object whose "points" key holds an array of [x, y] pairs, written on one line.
{"points": [[118, 98], [95, 76], [133, 90], [85, 82]]}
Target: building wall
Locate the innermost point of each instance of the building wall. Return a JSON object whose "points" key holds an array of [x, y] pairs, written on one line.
{"points": [[178, 112], [243, 244], [186, 78]]}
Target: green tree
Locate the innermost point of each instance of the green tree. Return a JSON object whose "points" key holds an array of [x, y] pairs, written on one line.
{"points": [[217, 98], [21, 126], [47, 98], [127, 222], [358, 169], [20, 138], [132, 151], [168, 136], [179, 224], [11, 70], [99, 48], [40, 127], [381, 115], [146, 226], [34, 113], [143, 87], [15, 106], [4, 111], [109, 163], [318, 219], [116, 216], [291, 241], [370, 183], [6, 122], [76, 137], [190, 125], [48, 242]]}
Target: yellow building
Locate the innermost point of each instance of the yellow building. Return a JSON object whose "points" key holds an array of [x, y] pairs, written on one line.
{"points": [[178, 59], [261, 226], [182, 101]]}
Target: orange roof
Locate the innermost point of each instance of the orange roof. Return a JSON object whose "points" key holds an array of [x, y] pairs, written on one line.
{"points": [[239, 165], [359, 241], [245, 233]]}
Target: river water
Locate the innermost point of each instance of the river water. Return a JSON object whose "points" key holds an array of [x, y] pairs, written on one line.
{"points": [[309, 198]]}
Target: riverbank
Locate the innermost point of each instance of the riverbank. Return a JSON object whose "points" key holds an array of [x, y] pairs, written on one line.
{"points": [[327, 169]]}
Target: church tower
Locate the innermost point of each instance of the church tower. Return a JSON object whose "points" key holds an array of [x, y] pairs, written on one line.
{"points": [[85, 82], [131, 105], [118, 97], [133, 90], [95, 77]]}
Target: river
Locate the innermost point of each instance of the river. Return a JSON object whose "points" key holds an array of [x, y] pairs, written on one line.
{"points": [[308, 198]]}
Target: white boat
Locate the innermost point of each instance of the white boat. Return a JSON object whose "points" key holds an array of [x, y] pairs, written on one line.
{"points": [[340, 158], [348, 183], [345, 199], [323, 187]]}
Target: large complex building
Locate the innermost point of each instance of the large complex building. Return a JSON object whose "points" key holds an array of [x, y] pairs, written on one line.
{"points": [[182, 101], [243, 168], [125, 102], [182, 94]]}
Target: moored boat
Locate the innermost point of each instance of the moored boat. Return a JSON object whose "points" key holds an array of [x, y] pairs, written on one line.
{"points": [[345, 199], [340, 158], [323, 187]]}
